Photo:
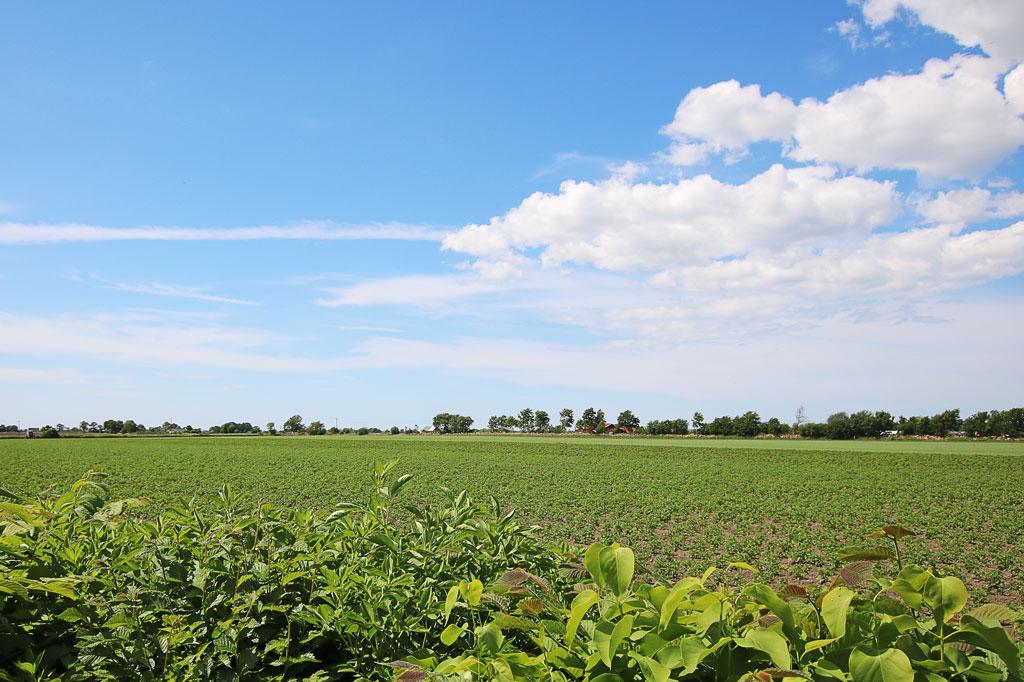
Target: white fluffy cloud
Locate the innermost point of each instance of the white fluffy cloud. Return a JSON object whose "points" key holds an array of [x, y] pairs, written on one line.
{"points": [[966, 206], [950, 120], [995, 26], [1013, 86], [622, 226], [774, 281], [727, 116]]}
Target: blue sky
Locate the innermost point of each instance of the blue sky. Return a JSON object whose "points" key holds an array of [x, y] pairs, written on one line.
{"points": [[376, 212]]}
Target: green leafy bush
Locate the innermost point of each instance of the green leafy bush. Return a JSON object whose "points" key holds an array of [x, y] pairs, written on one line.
{"points": [[860, 627], [93, 589]]}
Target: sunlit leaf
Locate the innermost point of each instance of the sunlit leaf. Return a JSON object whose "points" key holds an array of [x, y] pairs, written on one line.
{"points": [[891, 665], [769, 642]]}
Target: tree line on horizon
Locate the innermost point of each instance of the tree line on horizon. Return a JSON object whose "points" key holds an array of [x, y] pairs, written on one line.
{"points": [[292, 425], [839, 426]]}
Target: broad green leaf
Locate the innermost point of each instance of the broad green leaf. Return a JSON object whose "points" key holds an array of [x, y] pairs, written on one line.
{"points": [[744, 565], [456, 665], [826, 668], [712, 613], [592, 561], [652, 670], [985, 672], [451, 633], [472, 591], [910, 583], [399, 484], [657, 596], [63, 588], [766, 596], [489, 638], [21, 511], [905, 623], [608, 636], [996, 613], [119, 619], [769, 642], [450, 600], [502, 671], [650, 644], [707, 574], [617, 565], [816, 644], [993, 638], [71, 615], [672, 601], [945, 596], [834, 608], [892, 665], [683, 656], [508, 622], [11, 587], [294, 575], [580, 605]]}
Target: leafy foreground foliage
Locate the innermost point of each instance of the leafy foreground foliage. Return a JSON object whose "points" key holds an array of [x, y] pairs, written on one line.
{"points": [[95, 589], [91, 589], [859, 627]]}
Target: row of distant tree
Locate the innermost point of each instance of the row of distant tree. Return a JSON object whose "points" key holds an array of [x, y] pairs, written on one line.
{"points": [[293, 424], [591, 420], [839, 426]]}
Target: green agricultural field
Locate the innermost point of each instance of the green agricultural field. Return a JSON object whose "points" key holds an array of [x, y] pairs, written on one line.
{"points": [[787, 507]]}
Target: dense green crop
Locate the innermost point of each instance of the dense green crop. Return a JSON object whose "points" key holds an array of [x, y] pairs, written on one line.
{"points": [[788, 507]]}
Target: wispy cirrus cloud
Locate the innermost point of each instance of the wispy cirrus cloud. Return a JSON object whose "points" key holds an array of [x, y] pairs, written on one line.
{"points": [[49, 233], [419, 290], [175, 291], [565, 161], [47, 376], [366, 328], [142, 341]]}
